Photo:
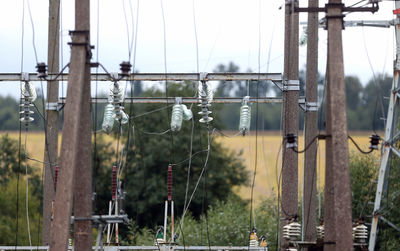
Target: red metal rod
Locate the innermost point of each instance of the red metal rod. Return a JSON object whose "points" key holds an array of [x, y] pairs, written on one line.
{"points": [[55, 178], [169, 182], [114, 182]]}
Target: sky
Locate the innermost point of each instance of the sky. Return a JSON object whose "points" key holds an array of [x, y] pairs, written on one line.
{"points": [[198, 35]]}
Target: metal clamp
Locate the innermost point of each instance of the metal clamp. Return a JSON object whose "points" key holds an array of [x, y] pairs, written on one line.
{"points": [[114, 76], [311, 107], [291, 85], [53, 106], [25, 76], [178, 100], [203, 76]]}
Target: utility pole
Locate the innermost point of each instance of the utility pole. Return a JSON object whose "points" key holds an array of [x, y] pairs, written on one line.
{"points": [[291, 116], [51, 146], [311, 128], [76, 143], [338, 223]]}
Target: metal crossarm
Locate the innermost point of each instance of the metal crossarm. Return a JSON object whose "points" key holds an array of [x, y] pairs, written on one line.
{"points": [[226, 76]]}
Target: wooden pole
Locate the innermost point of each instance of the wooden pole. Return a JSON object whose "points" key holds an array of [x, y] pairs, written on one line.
{"points": [[338, 224], [51, 140], [76, 144], [291, 116], [311, 128]]}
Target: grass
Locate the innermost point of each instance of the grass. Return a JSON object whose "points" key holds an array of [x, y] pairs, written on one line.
{"points": [[269, 156]]}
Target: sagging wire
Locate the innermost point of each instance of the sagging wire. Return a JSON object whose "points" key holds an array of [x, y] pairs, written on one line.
{"points": [[209, 139]]}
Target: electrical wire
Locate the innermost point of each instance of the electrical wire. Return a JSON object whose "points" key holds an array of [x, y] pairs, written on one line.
{"points": [[358, 147], [33, 31], [96, 167], [20, 127], [377, 85], [27, 190], [200, 176]]}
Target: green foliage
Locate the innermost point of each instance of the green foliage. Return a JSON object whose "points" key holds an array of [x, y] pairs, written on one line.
{"points": [[363, 173], [9, 159], [13, 179], [225, 223], [103, 157], [9, 211]]}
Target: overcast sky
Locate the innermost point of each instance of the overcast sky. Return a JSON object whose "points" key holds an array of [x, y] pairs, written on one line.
{"points": [[227, 30]]}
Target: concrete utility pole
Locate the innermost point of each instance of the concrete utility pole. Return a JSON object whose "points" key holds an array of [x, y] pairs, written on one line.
{"points": [[51, 146], [338, 223], [76, 144], [291, 115], [311, 127]]}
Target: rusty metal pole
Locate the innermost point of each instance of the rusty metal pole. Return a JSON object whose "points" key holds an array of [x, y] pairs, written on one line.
{"points": [[76, 145], [338, 223], [310, 128], [51, 146], [291, 116]]}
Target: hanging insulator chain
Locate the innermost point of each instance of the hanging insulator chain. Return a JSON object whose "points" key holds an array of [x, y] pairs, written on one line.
{"points": [[108, 118], [205, 99], [180, 112], [28, 96], [245, 116]]}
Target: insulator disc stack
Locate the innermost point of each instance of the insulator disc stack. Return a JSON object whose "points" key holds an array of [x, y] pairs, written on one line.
{"points": [[205, 99], [292, 231], [253, 238], [360, 233], [320, 232]]}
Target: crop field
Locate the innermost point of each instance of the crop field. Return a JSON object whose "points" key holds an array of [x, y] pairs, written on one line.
{"points": [[268, 157]]}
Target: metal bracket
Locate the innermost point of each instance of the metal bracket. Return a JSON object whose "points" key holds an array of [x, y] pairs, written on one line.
{"points": [[53, 106], [291, 85], [309, 106]]}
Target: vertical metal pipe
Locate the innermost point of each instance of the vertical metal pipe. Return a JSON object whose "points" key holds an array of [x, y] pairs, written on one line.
{"points": [[165, 221], [172, 221]]}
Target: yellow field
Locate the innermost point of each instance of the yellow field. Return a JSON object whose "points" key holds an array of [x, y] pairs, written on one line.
{"points": [[268, 148]]}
